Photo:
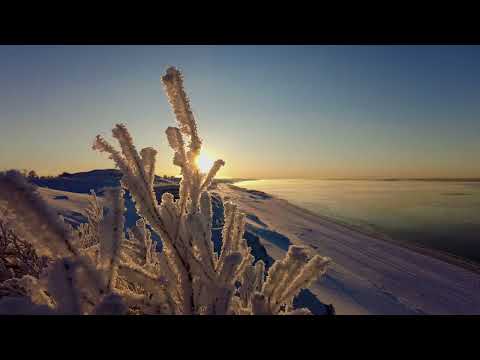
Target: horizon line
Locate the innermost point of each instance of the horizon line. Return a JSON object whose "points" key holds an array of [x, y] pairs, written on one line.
{"points": [[370, 178]]}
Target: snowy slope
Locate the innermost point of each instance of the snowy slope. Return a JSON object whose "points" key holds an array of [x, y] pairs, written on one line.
{"points": [[368, 275], [72, 207], [68, 204]]}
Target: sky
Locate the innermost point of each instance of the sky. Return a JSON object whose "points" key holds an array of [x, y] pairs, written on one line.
{"points": [[268, 111]]}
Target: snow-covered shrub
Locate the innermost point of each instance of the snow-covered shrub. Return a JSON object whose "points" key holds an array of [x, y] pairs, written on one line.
{"points": [[17, 256], [97, 269], [88, 234]]}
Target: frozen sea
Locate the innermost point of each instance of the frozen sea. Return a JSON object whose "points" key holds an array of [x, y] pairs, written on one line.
{"points": [[442, 215]]}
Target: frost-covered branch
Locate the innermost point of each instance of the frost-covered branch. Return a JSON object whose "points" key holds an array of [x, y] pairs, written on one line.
{"points": [[34, 218], [88, 234], [99, 268], [17, 256]]}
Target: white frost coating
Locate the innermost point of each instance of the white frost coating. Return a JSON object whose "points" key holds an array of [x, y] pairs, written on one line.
{"points": [[173, 84], [248, 286], [259, 275], [112, 235], [306, 275], [287, 277], [34, 218], [211, 174], [99, 271], [148, 160], [302, 311], [175, 141], [61, 285], [88, 234]]}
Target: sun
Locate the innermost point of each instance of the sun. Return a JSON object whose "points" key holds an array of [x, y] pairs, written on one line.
{"points": [[204, 162]]}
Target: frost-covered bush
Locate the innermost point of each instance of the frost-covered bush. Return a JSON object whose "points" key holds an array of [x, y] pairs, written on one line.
{"points": [[101, 269], [17, 256]]}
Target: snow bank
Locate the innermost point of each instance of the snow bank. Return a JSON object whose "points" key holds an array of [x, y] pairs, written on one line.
{"points": [[367, 275]]}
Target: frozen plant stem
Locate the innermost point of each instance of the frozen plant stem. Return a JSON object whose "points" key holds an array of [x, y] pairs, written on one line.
{"points": [[99, 270]]}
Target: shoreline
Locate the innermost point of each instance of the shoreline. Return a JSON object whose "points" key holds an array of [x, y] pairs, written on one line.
{"points": [[423, 250], [370, 274], [435, 253]]}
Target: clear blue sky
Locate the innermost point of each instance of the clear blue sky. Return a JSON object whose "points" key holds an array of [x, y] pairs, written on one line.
{"points": [[269, 111]]}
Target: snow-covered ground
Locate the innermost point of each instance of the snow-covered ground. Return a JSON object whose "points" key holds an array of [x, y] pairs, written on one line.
{"points": [[68, 204], [368, 275]]}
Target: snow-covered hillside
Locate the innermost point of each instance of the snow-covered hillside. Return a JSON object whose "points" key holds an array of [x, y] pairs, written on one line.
{"points": [[71, 206], [367, 275]]}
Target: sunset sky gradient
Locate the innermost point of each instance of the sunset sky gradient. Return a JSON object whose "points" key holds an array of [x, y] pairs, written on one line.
{"points": [[268, 111]]}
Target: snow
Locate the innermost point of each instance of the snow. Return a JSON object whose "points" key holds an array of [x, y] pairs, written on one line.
{"points": [[68, 204], [368, 275]]}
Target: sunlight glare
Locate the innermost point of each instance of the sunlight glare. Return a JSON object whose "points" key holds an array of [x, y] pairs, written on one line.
{"points": [[204, 162]]}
